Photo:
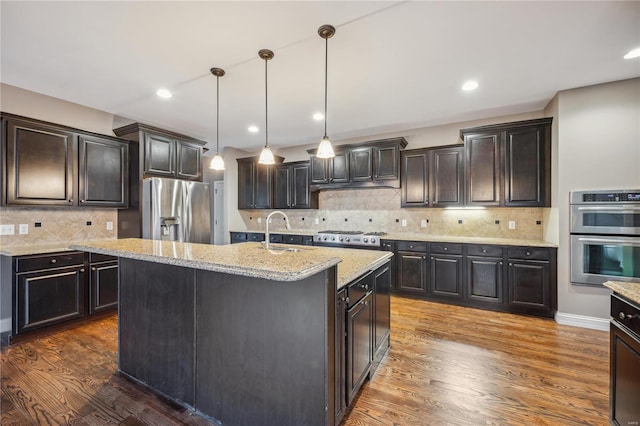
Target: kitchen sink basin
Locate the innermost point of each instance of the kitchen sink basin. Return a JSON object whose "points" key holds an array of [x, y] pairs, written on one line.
{"points": [[284, 249]]}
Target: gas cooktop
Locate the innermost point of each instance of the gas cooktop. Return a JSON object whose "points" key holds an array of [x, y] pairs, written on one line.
{"points": [[348, 238]]}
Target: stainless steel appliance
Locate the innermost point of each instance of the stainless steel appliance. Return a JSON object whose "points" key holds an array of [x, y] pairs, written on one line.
{"points": [[176, 210], [346, 239], [605, 236]]}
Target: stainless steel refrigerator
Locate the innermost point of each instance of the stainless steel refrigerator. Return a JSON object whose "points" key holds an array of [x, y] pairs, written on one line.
{"points": [[176, 210]]}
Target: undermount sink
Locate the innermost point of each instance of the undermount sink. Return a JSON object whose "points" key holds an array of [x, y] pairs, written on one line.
{"points": [[284, 249]]}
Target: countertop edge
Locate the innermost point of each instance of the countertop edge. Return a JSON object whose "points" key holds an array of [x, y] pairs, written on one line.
{"points": [[343, 281], [627, 289]]}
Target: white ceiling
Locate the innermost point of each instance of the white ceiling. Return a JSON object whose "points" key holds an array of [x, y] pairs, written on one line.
{"points": [[393, 66]]}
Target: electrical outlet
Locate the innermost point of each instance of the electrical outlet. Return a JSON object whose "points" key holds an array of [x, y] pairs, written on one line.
{"points": [[512, 224], [7, 230], [109, 226], [423, 223], [259, 220], [316, 221], [404, 222], [23, 229]]}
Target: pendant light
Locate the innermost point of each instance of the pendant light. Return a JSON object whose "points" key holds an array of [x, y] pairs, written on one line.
{"points": [[266, 156], [325, 150], [217, 163]]}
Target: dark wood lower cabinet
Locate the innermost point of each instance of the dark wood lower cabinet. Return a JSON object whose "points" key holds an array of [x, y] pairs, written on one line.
{"points": [[624, 360], [359, 344], [103, 285], [514, 279], [340, 403]]}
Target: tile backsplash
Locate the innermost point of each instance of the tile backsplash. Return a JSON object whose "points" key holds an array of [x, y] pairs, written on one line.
{"points": [[379, 210], [57, 225]]}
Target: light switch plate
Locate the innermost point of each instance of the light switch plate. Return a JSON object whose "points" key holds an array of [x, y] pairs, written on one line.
{"points": [[7, 229], [512, 224], [109, 226], [23, 229]]}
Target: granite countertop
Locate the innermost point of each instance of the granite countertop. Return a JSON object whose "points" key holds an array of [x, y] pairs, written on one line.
{"points": [[629, 290], [248, 259], [35, 249], [305, 232], [467, 240]]}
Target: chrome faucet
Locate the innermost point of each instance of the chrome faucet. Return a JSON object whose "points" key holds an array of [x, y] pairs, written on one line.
{"points": [[266, 230]]}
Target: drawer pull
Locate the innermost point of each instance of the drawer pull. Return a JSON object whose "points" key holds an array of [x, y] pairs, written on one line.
{"points": [[93, 268], [411, 246], [624, 316], [484, 250], [528, 253], [54, 261], [81, 269], [446, 248]]}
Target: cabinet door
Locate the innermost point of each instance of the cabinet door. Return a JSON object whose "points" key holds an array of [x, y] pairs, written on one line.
{"points": [[386, 163], [49, 297], [300, 195], [41, 168], [361, 164], [446, 276], [262, 187], [159, 155], [246, 182], [525, 167], [103, 287], [188, 161], [382, 313], [103, 172], [281, 185], [624, 357], [483, 169], [359, 344], [415, 179], [529, 284], [484, 279], [319, 170], [412, 272], [447, 177], [339, 169], [340, 357]]}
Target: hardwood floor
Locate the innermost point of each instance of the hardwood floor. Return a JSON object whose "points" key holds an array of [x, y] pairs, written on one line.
{"points": [[447, 365]]}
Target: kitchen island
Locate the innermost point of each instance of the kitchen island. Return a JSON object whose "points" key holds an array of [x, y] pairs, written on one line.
{"points": [[238, 333]]}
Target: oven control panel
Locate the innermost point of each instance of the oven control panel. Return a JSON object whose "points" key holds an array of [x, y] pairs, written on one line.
{"points": [[613, 197]]}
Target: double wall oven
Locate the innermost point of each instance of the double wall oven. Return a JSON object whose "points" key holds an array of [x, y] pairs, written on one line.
{"points": [[605, 236]]}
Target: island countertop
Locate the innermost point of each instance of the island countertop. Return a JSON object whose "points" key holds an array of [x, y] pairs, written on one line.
{"points": [[247, 259], [629, 290]]}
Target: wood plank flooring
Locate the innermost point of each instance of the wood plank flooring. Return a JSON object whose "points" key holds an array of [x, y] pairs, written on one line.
{"points": [[447, 366]]}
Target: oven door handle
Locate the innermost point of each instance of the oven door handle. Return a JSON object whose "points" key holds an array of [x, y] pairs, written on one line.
{"points": [[625, 209], [628, 242]]}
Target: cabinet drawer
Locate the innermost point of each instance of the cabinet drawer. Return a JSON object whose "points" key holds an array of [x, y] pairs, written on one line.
{"points": [[292, 239], [411, 246], [359, 288], [446, 248], [484, 250], [96, 257], [255, 237], [626, 313], [535, 253], [238, 237], [57, 260]]}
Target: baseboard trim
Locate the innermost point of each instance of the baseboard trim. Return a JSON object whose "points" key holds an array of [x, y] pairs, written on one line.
{"points": [[583, 321]]}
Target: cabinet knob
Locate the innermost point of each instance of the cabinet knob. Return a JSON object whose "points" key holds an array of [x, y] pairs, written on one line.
{"points": [[71, 200], [446, 248], [93, 268], [500, 263], [54, 261], [484, 250], [510, 264], [81, 269], [528, 253], [411, 246], [366, 303], [82, 201], [624, 316]]}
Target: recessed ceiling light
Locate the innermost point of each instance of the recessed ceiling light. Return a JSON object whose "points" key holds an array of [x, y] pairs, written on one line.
{"points": [[635, 53], [318, 116], [164, 93], [253, 129], [470, 85]]}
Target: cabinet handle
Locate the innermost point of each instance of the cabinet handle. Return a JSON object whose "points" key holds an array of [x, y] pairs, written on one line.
{"points": [[366, 303], [624, 316], [54, 261], [81, 269], [93, 268]]}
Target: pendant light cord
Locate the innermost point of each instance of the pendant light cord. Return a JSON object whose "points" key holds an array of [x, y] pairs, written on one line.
{"points": [[266, 107], [217, 115], [326, 60]]}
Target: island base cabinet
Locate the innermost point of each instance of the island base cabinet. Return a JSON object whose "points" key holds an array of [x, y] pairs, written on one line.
{"points": [[103, 287], [359, 344], [341, 356], [625, 378]]}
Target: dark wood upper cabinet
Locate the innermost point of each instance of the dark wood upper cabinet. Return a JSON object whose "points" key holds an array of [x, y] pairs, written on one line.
{"points": [[415, 178], [447, 177], [369, 164], [482, 181], [432, 177], [291, 186], [255, 183], [54, 165], [509, 164], [188, 161], [362, 164], [526, 161], [159, 155], [40, 164], [103, 172]]}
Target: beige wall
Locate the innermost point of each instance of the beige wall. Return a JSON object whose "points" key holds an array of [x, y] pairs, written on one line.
{"points": [[598, 143], [61, 224]]}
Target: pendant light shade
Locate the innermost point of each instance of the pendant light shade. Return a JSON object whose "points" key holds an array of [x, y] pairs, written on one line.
{"points": [[266, 156], [217, 163], [325, 150]]}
